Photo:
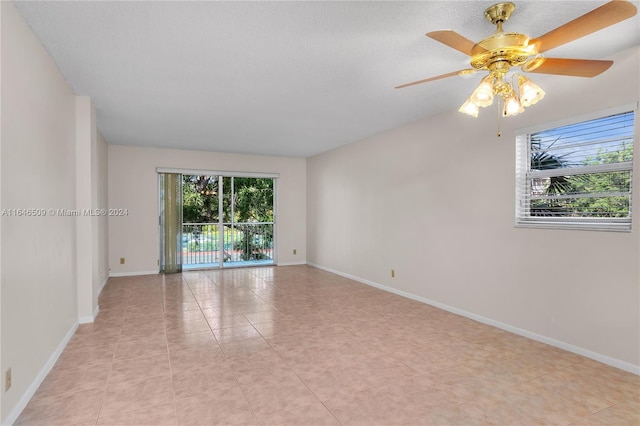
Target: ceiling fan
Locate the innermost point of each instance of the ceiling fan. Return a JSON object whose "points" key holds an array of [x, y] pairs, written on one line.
{"points": [[502, 50]]}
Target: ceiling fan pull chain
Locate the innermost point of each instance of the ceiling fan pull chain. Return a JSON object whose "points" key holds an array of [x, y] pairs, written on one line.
{"points": [[499, 109]]}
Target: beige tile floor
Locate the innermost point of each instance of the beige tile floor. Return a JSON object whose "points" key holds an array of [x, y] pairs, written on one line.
{"points": [[300, 346]]}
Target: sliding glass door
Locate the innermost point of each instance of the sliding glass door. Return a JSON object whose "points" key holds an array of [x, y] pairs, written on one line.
{"points": [[226, 221], [201, 236], [248, 221]]}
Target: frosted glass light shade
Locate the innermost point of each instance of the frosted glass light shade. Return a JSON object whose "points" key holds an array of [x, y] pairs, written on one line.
{"points": [[511, 105], [483, 95], [530, 93], [469, 108]]}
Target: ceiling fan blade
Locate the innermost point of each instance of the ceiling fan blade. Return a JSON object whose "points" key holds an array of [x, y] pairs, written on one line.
{"points": [[438, 77], [606, 15], [571, 67], [454, 40]]}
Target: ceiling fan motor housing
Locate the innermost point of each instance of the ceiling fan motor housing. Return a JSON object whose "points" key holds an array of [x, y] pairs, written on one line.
{"points": [[512, 48]]}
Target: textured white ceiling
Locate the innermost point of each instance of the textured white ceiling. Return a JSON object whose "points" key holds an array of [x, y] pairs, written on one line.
{"points": [[279, 78]]}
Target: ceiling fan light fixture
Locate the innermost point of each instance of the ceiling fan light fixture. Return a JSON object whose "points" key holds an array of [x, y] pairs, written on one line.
{"points": [[469, 108], [483, 95], [503, 51], [530, 93]]}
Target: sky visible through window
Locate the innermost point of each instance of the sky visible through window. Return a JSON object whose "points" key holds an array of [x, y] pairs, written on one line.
{"points": [[603, 140], [582, 170]]}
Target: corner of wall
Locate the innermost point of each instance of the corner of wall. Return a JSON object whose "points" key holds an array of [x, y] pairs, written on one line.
{"points": [[2, 6]]}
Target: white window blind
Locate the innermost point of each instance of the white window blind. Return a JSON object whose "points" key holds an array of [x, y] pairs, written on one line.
{"points": [[577, 175]]}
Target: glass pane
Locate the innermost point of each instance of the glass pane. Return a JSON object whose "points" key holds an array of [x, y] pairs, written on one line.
{"points": [[592, 183], [200, 236], [596, 207], [601, 141], [582, 195], [246, 235], [249, 229]]}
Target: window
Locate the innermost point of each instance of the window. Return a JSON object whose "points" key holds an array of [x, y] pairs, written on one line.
{"points": [[577, 176]]}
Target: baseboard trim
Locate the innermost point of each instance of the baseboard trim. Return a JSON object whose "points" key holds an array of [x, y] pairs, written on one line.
{"points": [[291, 263], [91, 318], [132, 274], [136, 273], [605, 359], [102, 284], [42, 374]]}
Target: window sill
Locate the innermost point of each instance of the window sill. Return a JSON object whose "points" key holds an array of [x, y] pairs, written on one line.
{"points": [[575, 226]]}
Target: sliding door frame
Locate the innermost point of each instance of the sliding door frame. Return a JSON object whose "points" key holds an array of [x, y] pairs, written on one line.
{"points": [[220, 174]]}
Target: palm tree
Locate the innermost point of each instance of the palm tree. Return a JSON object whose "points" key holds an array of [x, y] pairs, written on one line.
{"points": [[554, 185]]}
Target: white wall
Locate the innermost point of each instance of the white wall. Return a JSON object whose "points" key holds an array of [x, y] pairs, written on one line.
{"points": [[84, 166], [52, 158], [434, 200], [101, 229], [1, 206], [91, 194], [133, 185], [38, 162]]}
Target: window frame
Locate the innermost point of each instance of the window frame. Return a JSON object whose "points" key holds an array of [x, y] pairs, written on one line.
{"points": [[524, 174]]}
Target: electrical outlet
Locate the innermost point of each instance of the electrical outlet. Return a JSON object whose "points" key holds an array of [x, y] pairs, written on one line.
{"points": [[393, 273], [295, 251], [7, 380], [122, 260]]}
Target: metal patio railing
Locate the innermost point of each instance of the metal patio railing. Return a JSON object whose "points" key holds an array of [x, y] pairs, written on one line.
{"points": [[247, 242]]}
